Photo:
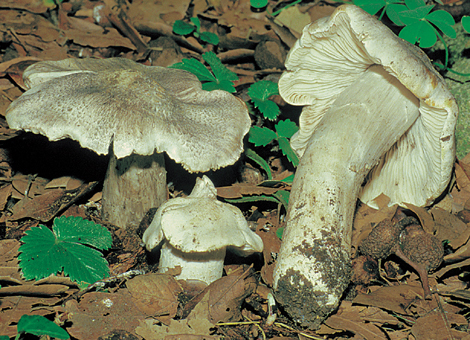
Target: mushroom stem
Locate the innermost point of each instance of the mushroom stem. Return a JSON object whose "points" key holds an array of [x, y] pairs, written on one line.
{"points": [[132, 186], [313, 265], [420, 269], [206, 267]]}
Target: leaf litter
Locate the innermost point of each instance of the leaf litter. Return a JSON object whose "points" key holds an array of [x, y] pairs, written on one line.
{"points": [[156, 306]]}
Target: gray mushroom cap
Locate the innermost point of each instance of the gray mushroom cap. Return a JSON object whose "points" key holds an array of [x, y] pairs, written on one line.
{"points": [[138, 108], [331, 54]]}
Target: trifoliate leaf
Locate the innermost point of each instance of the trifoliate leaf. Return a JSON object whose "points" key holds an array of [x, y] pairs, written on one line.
{"points": [[286, 128], [220, 71], [263, 89], [220, 80], [412, 16], [444, 21], [195, 67], [261, 136], [421, 32], [209, 37], [182, 28], [47, 252], [414, 4], [286, 149], [393, 12], [39, 325], [466, 23], [225, 85]]}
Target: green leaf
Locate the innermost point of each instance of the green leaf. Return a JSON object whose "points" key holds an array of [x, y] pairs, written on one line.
{"points": [[263, 89], [39, 325], [195, 67], [393, 13], [444, 21], [255, 198], [4, 337], [78, 230], [421, 32], [260, 161], [223, 75], [259, 93], [280, 232], [46, 252], [283, 197], [258, 3], [182, 28], [286, 128], [268, 108], [196, 23], [210, 38], [219, 69], [370, 6], [466, 23], [287, 151], [413, 16], [261, 136], [414, 4]]}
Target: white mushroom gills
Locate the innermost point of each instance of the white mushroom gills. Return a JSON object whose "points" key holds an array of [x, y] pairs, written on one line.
{"points": [[313, 267]]}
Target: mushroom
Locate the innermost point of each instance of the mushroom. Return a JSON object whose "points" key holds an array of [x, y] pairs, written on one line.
{"points": [[196, 231], [377, 119], [407, 240], [134, 112]]}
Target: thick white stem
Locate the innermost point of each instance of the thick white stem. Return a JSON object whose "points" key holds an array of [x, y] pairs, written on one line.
{"points": [[206, 267], [313, 266], [132, 186]]}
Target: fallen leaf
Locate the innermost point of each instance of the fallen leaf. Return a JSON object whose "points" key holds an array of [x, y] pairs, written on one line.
{"points": [[48, 205], [393, 298], [97, 314], [435, 326], [155, 295], [195, 327]]}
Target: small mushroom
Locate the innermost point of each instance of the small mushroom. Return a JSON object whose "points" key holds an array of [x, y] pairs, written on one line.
{"points": [[134, 112], [377, 119], [196, 231]]}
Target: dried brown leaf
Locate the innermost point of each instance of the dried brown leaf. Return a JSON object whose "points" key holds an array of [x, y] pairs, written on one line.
{"points": [[239, 190], [98, 314], [437, 326], [155, 295], [393, 298], [195, 327], [12, 308], [48, 205]]}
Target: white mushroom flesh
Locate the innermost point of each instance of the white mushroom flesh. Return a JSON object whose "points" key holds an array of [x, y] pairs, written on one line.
{"points": [[313, 267]]}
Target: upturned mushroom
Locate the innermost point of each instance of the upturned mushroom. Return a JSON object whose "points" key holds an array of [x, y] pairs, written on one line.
{"points": [[195, 232], [407, 240], [377, 119], [136, 113]]}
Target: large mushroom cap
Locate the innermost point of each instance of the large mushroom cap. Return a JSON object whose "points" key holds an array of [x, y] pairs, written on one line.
{"points": [[331, 54], [138, 108], [200, 223]]}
